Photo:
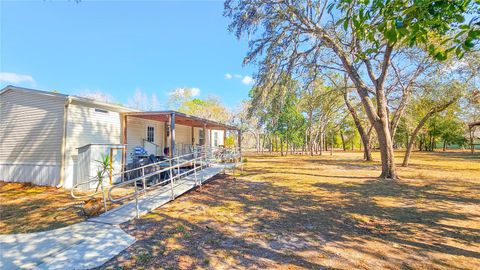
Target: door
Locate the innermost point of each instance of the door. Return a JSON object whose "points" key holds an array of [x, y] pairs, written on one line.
{"points": [[150, 141]]}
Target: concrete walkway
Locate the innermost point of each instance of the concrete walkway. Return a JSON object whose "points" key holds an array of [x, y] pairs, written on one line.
{"points": [[91, 243], [81, 246]]}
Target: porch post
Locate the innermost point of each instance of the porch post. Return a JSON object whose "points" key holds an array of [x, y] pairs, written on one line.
{"points": [[124, 141], [165, 137], [224, 137], [193, 136], [210, 138], [204, 135], [172, 134]]}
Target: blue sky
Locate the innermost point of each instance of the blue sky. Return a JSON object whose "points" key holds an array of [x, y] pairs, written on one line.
{"points": [[118, 47]]}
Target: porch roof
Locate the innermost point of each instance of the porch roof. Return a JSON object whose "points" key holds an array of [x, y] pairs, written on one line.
{"points": [[180, 119]]}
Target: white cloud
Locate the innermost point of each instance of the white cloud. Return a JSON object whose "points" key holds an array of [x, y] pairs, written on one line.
{"points": [[8, 77], [195, 91], [192, 92], [247, 80]]}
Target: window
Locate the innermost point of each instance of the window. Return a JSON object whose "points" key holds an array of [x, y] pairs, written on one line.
{"points": [[215, 138], [201, 137], [151, 134]]}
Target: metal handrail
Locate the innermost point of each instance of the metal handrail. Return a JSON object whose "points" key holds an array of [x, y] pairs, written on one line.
{"points": [[128, 171], [102, 189], [142, 178], [201, 154], [135, 180]]}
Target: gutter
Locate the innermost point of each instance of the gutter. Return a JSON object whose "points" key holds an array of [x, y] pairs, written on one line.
{"points": [[64, 143]]}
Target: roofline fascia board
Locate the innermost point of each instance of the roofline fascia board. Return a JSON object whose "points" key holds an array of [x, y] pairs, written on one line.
{"points": [[121, 109], [64, 96], [183, 115], [103, 104], [32, 91]]}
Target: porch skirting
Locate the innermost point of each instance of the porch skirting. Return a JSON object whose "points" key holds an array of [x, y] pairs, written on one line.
{"points": [[38, 174]]}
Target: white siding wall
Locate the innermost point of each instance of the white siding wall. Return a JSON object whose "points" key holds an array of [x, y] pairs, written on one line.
{"points": [[183, 134], [209, 141], [31, 132], [196, 131], [87, 126], [137, 131], [220, 140]]}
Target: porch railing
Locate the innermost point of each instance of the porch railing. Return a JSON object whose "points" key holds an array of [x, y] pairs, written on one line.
{"points": [[173, 169]]}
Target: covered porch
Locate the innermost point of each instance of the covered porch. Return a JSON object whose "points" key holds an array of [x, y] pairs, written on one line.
{"points": [[166, 134]]}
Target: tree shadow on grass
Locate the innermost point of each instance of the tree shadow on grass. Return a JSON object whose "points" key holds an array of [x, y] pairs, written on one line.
{"points": [[272, 225], [332, 218], [195, 246]]}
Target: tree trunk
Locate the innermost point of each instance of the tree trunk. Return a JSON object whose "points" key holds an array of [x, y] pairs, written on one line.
{"points": [[331, 149], [433, 144], [343, 141], [422, 122], [281, 147], [406, 134], [325, 144], [321, 143], [310, 132], [270, 139], [412, 139], [386, 149], [471, 132], [363, 135]]}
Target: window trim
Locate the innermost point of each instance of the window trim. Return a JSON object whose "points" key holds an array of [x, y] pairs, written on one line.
{"points": [[215, 138], [201, 136], [153, 134]]}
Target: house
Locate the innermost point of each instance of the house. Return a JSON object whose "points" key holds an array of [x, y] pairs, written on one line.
{"points": [[42, 134]]}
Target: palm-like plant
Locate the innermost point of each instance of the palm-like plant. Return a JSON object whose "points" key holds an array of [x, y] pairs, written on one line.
{"points": [[103, 169]]}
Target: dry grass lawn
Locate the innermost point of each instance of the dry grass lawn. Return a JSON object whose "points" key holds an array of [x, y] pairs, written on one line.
{"points": [[301, 212], [25, 208]]}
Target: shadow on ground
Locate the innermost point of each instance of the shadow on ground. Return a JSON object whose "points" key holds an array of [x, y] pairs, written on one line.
{"points": [[277, 218]]}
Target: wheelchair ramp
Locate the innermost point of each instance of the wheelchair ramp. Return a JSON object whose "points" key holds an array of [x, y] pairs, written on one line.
{"points": [[155, 198]]}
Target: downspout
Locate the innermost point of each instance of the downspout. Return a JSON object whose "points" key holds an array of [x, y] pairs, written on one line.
{"points": [[64, 143]]}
